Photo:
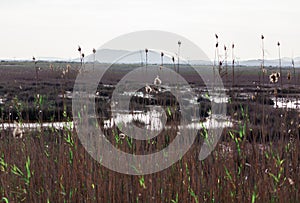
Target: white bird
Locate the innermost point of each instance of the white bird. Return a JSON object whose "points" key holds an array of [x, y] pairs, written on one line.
{"points": [[157, 81]]}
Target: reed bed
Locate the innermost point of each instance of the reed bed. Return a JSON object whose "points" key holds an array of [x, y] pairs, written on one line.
{"points": [[256, 160]]}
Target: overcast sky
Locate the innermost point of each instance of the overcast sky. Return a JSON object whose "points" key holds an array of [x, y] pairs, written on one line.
{"points": [[54, 28]]}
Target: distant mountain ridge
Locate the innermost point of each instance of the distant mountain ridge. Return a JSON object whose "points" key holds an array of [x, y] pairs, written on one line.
{"points": [[285, 62], [111, 55]]}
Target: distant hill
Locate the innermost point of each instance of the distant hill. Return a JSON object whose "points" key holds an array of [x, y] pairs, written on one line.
{"points": [[50, 59], [285, 62], [124, 56], [110, 55], [106, 55]]}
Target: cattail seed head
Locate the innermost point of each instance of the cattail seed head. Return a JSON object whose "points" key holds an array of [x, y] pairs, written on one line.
{"points": [[274, 77], [18, 131], [68, 68], [122, 136], [291, 182], [148, 89], [157, 81], [289, 75]]}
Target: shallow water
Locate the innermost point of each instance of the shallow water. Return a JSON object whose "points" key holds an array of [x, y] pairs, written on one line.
{"points": [[286, 103], [154, 120], [37, 126]]}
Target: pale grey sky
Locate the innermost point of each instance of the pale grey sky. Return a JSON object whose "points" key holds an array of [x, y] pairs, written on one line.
{"points": [[54, 28]]}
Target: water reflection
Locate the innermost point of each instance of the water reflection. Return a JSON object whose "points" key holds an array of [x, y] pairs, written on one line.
{"points": [[153, 120]]}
